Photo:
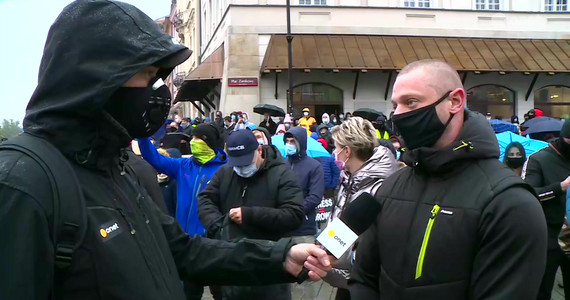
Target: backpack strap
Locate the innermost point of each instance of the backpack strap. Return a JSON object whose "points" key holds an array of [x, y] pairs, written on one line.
{"points": [[69, 212]]}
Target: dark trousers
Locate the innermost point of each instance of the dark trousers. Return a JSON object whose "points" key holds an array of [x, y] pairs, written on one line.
{"points": [[554, 258], [195, 291], [342, 294]]}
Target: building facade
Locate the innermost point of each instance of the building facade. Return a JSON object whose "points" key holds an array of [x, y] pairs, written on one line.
{"points": [[511, 55]]}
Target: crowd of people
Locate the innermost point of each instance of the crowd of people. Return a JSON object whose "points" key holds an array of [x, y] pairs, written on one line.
{"points": [[232, 205]]}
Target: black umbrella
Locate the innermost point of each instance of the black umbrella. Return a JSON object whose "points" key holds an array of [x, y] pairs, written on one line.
{"points": [[274, 111], [367, 113], [544, 124]]}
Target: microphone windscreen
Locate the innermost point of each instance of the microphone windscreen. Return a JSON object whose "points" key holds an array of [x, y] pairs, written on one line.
{"points": [[361, 213]]}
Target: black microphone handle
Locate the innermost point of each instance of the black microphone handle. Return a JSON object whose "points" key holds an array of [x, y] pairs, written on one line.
{"points": [[304, 275]]}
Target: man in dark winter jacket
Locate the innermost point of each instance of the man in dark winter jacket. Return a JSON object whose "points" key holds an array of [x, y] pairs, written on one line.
{"points": [[254, 196], [548, 171], [324, 133], [457, 223], [99, 86], [310, 177]]}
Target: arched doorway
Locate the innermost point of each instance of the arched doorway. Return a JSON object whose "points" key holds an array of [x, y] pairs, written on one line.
{"points": [[319, 97], [491, 98], [554, 100]]}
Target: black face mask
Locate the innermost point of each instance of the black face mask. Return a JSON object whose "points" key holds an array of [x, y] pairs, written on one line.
{"points": [[565, 148], [141, 111], [515, 162], [421, 127]]}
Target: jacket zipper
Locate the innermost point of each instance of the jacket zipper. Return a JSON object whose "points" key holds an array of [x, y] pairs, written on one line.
{"points": [[420, 265]]}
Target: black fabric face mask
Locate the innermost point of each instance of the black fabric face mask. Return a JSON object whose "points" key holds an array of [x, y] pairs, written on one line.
{"points": [[141, 111], [565, 148], [421, 127], [515, 162]]}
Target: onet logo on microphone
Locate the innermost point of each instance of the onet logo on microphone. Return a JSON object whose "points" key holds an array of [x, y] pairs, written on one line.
{"points": [[336, 238]]}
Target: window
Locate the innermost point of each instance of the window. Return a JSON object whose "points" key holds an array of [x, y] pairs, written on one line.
{"points": [[417, 3], [553, 100], [556, 5], [488, 4], [314, 2], [319, 97], [491, 98]]}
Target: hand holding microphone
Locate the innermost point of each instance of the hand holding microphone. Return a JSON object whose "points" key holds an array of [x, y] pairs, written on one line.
{"points": [[343, 231]]}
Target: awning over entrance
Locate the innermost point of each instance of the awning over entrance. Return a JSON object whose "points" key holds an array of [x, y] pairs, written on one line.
{"points": [[352, 52], [202, 81]]}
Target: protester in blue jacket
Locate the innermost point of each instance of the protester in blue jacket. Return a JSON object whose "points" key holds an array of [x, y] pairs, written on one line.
{"points": [[309, 176], [192, 175]]}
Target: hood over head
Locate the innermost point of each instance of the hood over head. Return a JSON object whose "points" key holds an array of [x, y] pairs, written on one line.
{"points": [[476, 140], [265, 132], [280, 128], [92, 49], [300, 134]]}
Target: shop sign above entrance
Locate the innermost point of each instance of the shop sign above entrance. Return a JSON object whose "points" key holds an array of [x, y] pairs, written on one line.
{"points": [[248, 81]]}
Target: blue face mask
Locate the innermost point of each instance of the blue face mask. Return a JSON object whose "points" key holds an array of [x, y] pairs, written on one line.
{"points": [[246, 171], [290, 149]]}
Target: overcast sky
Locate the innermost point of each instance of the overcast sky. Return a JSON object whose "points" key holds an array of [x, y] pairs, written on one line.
{"points": [[23, 30]]}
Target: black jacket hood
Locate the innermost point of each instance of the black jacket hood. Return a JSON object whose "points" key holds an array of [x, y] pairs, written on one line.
{"points": [[476, 140], [92, 48]]}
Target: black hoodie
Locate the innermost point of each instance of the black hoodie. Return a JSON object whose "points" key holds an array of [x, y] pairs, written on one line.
{"points": [[458, 224], [92, 49]]}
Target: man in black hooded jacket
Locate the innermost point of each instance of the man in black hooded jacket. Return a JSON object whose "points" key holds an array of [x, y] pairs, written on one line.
{"points": [[99, 86], [548, 171], [456, 223]]}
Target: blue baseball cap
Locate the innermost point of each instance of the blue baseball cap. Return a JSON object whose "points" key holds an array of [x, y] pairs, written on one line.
{"points": [[241, 146]]}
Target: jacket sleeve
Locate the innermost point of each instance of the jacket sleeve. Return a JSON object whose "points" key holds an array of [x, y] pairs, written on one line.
{"points": [[512, 248], [287, 216], [335, 175], [532, 174], [365, 273], [26, 250], [316, 189], [161, 163], [209, 204], [206, 261]]}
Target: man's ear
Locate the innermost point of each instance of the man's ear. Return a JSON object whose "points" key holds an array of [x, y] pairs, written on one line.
{"points": [[260, 150], [457, 98]]}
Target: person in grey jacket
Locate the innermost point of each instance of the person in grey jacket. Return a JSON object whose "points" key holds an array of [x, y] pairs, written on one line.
{"points": [[366, 165]]}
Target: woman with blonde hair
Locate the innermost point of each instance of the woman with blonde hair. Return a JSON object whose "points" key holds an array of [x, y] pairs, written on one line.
{"points": [[364, 166]]}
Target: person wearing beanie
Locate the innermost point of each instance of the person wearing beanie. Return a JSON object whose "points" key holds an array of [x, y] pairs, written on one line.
{"points": [[382, 131], [307, 120], [192, 175], [548, 172]]}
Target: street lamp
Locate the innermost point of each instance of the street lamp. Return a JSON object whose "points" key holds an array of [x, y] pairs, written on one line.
{"points": [[290, 58]]}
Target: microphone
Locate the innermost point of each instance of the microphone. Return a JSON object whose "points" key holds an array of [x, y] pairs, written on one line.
{"points": [[343, 231]]}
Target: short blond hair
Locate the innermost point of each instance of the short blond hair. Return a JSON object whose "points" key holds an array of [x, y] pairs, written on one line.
{"points": [[358, 134], [441, 76]]}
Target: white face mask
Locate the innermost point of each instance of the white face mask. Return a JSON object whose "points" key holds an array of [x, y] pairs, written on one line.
{"points": [[326, 120], [305, 114]]}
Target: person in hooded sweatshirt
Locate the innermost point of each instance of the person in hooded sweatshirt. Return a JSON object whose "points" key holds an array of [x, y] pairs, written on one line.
{"points": [[548, 171], [191, 175], [456, 223], [255, 196], [326, 121], [100, 85], [324, 133], [310, 177], [515, 157]]}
